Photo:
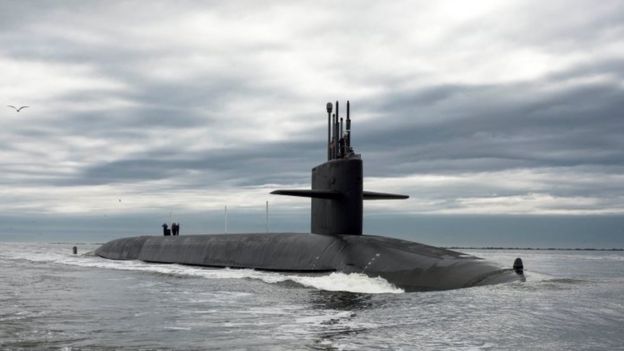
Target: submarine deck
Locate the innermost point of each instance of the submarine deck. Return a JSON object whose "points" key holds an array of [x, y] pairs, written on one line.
{"points": [[409, 265]]}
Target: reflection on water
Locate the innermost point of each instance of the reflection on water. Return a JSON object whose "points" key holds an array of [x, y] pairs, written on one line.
{"points": [[342, 300], [342, 322]]}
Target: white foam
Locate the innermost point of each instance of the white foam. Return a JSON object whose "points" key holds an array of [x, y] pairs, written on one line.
{"points": [[351, 282], [536, 276], [177, 328]]}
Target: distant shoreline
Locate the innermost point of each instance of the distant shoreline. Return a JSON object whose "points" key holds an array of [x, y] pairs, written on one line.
{"points": [[528, 248]]}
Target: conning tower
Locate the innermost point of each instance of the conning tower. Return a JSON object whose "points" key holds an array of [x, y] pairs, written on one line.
{"points": [[337, 192]]}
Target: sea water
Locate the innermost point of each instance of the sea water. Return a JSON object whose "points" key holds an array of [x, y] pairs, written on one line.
{"points": [[52, 299]]}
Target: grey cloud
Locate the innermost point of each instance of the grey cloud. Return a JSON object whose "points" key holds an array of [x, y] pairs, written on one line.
{"points": [[564, 120], [522, 127], [255, 164], [554, 27]]}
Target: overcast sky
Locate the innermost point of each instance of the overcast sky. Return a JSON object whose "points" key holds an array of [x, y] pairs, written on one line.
{"points": [[508, 108]]}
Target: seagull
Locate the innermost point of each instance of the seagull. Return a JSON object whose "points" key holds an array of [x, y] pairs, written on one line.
{"points": [[17, 109]]}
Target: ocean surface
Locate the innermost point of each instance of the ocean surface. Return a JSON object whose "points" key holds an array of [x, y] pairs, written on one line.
{"points": [[51, 299]]}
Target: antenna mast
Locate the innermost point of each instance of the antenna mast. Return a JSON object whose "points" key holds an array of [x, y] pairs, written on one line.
{"points": [[329, 111], [336, 132], [348, 136]]}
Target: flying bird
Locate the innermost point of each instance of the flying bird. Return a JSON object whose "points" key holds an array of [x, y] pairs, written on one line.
{"points": [[17, 109]]}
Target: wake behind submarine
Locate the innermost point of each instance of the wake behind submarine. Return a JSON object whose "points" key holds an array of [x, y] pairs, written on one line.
{"points": [[336, 242]]}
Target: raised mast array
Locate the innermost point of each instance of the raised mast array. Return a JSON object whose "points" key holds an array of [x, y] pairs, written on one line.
{"points": [[338, 137]]}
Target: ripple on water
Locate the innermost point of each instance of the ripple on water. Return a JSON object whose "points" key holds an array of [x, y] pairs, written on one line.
{"points": [[52, 299]]}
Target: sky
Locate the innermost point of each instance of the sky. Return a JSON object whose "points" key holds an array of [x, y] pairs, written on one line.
{"points": [[503, 120]]}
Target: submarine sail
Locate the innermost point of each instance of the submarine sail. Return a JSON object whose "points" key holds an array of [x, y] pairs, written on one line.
{"points": [[337, 192]]}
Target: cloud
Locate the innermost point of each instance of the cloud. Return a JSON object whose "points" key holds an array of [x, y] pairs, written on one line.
{"points": [[491, 108]]}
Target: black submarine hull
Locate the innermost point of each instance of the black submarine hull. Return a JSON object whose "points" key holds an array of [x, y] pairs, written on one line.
{"points": [[408, 265], [337, 245]]}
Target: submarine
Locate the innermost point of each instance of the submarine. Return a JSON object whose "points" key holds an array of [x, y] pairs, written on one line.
{"points": [[335, 242]]}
